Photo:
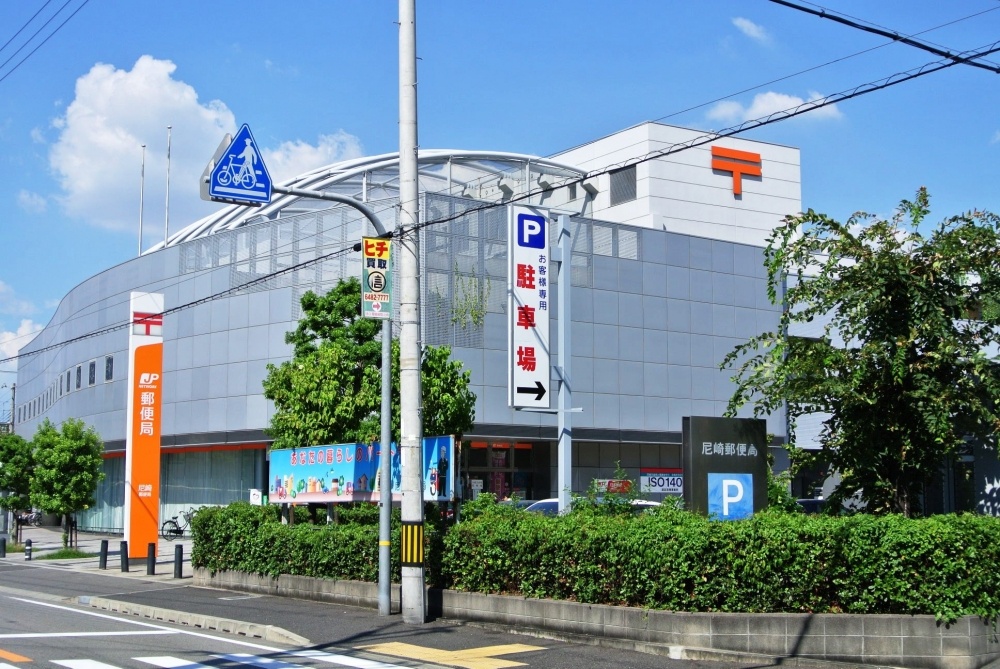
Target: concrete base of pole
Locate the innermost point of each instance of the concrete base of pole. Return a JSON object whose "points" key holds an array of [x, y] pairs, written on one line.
{"points": [[414, 595]]}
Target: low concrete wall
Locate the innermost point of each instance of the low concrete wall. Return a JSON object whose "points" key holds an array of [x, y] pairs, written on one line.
{"points": [[895, 640], [351, 593]]}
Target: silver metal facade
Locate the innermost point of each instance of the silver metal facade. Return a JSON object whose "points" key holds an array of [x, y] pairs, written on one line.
{"points": [[653, 315]]}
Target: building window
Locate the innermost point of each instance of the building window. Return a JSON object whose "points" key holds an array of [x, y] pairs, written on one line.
{"points": [[623, 187], [79, 376], [69, 381], [60, 385], [109, 367], [92, 373]]}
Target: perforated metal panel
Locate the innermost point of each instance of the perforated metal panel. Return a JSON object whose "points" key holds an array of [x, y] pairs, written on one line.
{"points": [[623, 186]]}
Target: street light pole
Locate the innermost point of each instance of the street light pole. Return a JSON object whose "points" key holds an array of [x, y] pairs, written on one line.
{"points": [[413, 594]]}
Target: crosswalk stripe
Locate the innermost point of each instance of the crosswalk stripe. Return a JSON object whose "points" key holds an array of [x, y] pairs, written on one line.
{"points": [[83, 664], [245, 659], [345, 660], [262, 662], [168, 662], [4, 665]]}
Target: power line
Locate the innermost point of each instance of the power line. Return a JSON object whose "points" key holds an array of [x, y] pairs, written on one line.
{"points": [[26, 24], [782, 115], [84, 309], [774, 117], [820, 66], [215, 296], [42, 43], [824, 13]]}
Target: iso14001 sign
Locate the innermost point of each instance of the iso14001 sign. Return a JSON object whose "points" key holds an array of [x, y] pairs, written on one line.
{"points": [[667, 481]]}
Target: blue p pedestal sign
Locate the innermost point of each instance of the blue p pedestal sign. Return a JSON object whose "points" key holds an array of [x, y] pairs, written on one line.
{"points": [[730, 496], [725, 466]]}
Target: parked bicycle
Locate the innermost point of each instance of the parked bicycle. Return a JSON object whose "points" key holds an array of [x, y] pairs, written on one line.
{"points": [[171, 529], [34, 518]]}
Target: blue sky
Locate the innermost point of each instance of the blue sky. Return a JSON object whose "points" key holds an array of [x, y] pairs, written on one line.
{"points": [[317, 82]]}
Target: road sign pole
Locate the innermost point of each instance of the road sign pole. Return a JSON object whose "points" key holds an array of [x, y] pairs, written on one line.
{"points": [[385, 498], [564, 423]]}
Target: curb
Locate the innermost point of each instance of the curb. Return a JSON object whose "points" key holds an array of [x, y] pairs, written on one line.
{"points": [[269, 633], [671, 651]]}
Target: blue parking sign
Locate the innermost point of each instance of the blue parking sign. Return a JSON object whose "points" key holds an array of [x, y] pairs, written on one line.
{"points": [[531, 231], [730, 496]]}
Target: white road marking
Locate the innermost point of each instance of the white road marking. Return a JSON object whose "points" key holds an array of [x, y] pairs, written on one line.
{"points": [[200, 635], [47, 635], [345, 660], [168, 662], [84, 664]]}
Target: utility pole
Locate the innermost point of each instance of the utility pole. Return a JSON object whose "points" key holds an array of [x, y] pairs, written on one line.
{"points": [[413, 594]]}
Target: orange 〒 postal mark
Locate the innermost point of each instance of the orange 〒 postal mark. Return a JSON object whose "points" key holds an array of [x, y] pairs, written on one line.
{"points": [[738, 162]]}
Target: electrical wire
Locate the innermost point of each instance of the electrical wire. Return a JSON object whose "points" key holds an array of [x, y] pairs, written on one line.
{"points": [[26, 24], [820, 66], [791, 112], [823, 13], [43, 42], [188, 305], [775, 117]]}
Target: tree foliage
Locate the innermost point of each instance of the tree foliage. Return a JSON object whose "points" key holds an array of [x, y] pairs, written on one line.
{"points": [[902, 364], [330, 391], [16, 465], [68, 467]]}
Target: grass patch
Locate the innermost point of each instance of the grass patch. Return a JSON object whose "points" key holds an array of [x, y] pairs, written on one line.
{"points": [[15, 548], [65, 554]]}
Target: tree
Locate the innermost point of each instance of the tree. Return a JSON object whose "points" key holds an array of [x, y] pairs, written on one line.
{"points": [[901, 366], [16, 465], [68, 467], [330, 391]]}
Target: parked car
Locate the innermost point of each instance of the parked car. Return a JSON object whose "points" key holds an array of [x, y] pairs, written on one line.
{"points": [[550, 507], [546, 507], [811, 505], [517, 503]]}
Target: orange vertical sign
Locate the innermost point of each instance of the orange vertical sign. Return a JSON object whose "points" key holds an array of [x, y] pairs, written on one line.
{"points": [[142, 449], [738, 162]]}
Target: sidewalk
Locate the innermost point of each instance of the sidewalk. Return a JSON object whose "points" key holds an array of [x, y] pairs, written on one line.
{"points": [[47, 540]]}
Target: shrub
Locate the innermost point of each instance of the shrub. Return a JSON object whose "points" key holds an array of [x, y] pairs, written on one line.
{"points": [[666, 558]]}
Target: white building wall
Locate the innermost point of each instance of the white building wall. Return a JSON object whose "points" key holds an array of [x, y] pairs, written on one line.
{"points": [[682, 193]]}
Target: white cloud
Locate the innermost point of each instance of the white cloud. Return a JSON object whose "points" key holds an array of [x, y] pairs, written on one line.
{"points": [[293, 158], [12, 305], [751, 30], [32, 203], [98, 156], [37, 135], [996, 137], [12, 342], [765, 104]]}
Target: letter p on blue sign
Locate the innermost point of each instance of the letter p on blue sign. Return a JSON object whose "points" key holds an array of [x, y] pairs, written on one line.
{"points": [[730, 496], [531, 231]]}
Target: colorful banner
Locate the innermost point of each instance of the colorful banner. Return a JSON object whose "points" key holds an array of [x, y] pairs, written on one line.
{"points": [[351, 473], [142, 445]]}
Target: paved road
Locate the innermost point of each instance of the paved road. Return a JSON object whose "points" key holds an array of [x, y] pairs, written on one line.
{"points": [[336, 631]]}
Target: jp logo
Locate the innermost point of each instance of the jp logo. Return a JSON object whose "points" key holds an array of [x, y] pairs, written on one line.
{"points": [[730, 496]]}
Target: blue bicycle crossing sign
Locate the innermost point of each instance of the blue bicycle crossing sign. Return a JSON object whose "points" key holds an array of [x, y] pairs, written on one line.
{"points": [[240, 175]]}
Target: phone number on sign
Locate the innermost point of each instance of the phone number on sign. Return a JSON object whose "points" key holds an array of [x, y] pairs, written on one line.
{"points": [[670, 484]]}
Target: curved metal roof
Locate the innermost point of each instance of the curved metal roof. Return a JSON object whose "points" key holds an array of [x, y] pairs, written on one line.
{"points": [[481, 175]]}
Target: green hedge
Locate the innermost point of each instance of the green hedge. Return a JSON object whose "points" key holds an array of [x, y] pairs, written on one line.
{"points": [[773, 562], [252, 539], [668, 559]]}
